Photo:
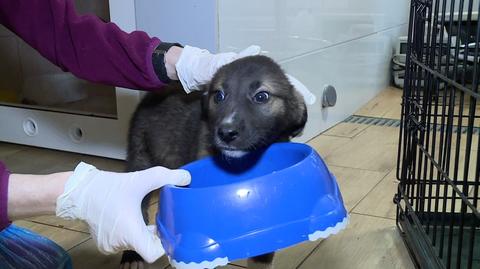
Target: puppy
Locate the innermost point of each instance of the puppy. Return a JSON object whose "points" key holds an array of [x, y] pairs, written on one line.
{"points": [[248, 105]]}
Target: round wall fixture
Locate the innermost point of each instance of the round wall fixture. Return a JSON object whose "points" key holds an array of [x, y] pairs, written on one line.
{"points": [[76, 133], [30, 127], [329, 97]]}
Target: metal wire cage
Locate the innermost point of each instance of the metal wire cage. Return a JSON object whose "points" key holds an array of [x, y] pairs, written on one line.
{"points": [[438, 156]]}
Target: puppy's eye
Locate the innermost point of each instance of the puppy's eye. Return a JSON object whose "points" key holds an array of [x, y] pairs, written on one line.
{"points": [[218, 96], [261, 97]]}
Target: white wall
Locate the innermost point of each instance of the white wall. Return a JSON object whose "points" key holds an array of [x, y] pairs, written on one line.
{"points": [[345, 43]]}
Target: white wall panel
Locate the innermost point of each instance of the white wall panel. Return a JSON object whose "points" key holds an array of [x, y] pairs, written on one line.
{"points": [[286, 29], [358, 70]]}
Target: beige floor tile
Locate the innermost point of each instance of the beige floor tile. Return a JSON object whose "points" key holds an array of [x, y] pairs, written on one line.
{"points": [[346, 129], [65, 238], [75, 225], [292, 257], [368, 242], [325, 145], [8, 149], [355, 184], [103, 163], [373, 149], [394, 113], [86, 256], [39, 161], [289, 257], [379, 202], [387, 104], [152, 213]]}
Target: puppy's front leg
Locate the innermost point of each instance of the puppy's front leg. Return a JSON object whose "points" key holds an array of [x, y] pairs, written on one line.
{"points": [[264, 261]]}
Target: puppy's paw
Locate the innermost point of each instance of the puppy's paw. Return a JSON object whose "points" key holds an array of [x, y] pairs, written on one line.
{"points": [[132, 260], [261, 262]]}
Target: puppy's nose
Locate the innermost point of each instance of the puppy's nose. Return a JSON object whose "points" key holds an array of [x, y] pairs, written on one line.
{"points": [[227, 134]]}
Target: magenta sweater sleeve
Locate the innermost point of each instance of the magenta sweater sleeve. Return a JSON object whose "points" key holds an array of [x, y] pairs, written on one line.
{"points": [[83, 44], [4, 174]]}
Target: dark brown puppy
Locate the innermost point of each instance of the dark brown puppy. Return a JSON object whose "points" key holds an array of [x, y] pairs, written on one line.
{"points": [[248, 105]]}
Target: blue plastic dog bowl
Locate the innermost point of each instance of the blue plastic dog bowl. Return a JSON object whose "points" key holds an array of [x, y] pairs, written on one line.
{"points": [[234, 209]]}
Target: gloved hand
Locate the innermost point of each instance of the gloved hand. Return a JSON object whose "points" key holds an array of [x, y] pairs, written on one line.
{"points": [[111, 205], [197, 66], [308, 96]]}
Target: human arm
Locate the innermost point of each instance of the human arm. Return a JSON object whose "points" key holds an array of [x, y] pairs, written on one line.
{"points": [[101, 52], [34, 195], [83, 44]]}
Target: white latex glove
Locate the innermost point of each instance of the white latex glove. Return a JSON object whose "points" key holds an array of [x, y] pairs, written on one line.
{"points": [[308, 96], [111, 205], [197, 66]]}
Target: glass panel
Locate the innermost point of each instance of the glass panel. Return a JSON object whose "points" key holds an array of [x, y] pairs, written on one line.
{"points": [[29, 80]]}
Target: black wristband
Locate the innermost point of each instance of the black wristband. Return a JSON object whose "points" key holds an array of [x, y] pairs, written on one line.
{"points": [[158, 60]]}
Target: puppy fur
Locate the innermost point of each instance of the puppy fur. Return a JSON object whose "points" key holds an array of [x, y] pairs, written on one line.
{"points": [[248, 105]]}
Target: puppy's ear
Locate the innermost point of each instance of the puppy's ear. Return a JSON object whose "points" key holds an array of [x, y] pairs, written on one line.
{"points": [[297, 113], [299, 121]]}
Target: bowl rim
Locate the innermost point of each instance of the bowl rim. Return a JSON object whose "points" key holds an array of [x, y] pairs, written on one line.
{"points": [[307, 148]]}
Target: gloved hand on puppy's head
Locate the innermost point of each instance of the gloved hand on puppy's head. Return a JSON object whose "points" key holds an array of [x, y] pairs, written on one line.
{"points": [[197, 66]]}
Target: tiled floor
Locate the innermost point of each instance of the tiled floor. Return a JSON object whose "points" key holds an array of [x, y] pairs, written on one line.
{"points": [[362, 157]]}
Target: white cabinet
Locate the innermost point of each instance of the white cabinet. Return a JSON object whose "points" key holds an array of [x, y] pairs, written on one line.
{"points": [[78, 121]]}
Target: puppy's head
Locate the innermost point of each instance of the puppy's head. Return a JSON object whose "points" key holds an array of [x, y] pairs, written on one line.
{"points": [[251, 104]]}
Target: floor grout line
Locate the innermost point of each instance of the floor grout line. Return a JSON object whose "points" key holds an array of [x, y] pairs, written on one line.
{"points": [[361, 169], [318, 245], [388, 170], [55, 226], [339, 136], [84, 241], [373, 216], [325, 157], [310, 253], [236, 265]]}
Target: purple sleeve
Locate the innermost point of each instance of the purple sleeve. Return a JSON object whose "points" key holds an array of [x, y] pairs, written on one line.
{"points": [[4, 174], [83, 44]]}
